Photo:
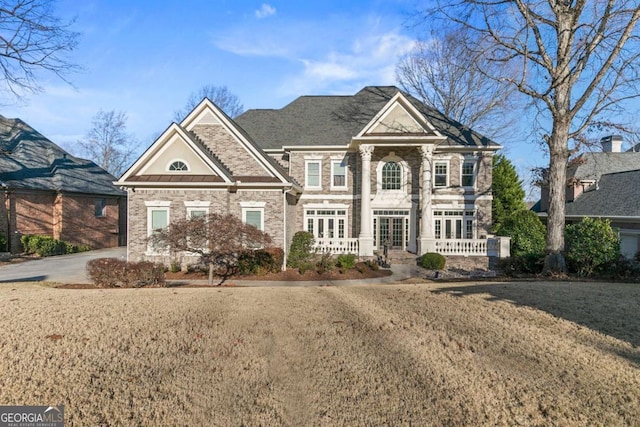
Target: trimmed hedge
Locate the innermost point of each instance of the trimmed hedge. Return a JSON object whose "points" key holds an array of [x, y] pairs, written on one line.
{"points": [[301, 250], [433, 261], [48, 246], [346, 260], [114, 272]]}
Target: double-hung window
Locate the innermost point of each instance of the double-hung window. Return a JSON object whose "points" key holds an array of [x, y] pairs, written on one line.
{"points": [[338, 174], [313, 177], [100, 207], [441, 174], [467, 178]]}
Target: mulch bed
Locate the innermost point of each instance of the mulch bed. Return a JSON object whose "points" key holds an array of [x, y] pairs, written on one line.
{"points": [[290, 275]]}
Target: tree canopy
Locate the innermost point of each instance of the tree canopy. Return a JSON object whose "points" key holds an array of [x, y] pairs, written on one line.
{"points": [[577, 64]]}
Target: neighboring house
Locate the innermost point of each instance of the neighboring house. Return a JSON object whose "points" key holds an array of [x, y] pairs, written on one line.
{"points": [[604, 185], [47, 191], [355, 171]]}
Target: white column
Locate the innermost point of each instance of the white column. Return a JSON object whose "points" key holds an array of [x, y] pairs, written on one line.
{"points": [[366, 236], [427, 243]]}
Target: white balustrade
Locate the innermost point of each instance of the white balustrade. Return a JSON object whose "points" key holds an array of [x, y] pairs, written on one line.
{"points": [[337, 246]]}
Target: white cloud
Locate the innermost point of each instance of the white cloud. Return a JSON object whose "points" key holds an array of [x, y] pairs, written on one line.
{"points": [[265, 11]]}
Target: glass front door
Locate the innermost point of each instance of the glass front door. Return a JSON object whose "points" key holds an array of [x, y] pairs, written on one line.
{"points": [[391, 228]]}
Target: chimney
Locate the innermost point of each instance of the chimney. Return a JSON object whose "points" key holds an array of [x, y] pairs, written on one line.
{"points": [[612, 144]]}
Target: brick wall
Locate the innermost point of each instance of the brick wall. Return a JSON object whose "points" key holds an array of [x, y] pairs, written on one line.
{"points": [[80, 226], [222, 201], [67, 217]]}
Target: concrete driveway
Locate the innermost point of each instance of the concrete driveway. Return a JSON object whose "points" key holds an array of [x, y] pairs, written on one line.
{"points": [[61, 269]]}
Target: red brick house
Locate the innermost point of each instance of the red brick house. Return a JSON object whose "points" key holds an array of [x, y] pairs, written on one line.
{"points": [[45, 190]]}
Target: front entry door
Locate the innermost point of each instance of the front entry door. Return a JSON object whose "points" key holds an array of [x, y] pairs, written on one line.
{"points": [[391, 228]]}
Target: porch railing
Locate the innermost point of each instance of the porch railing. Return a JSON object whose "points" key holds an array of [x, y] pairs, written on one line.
{"points": [[337, 246], [493, 246]]}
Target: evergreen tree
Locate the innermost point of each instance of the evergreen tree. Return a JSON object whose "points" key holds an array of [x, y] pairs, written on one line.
{"points": [[508, 195]]}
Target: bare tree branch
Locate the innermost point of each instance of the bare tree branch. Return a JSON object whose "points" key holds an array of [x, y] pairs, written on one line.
{"points": [[108, 144], [219, 95], [33, 39]]}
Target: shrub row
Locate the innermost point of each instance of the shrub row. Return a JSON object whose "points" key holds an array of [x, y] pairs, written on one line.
{"points": [[48, 246], [114, 272]]}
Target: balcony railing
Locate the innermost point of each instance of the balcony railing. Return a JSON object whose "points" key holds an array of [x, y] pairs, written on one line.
{"points": [[493, 246], [337, 246]]}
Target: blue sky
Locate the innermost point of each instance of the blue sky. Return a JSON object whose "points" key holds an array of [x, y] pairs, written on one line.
{"points": [[145, 58]]}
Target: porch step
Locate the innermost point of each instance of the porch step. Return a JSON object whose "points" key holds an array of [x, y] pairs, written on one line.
{"points": [[402, 257]]}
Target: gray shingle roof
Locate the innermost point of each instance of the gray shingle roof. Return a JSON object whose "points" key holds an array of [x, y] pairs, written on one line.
{"points": [[618, 194], [28, 160], [590, 166], [334, 120]]}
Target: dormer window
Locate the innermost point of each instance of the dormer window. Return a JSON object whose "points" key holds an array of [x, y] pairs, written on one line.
{"points": [[178, 166]]}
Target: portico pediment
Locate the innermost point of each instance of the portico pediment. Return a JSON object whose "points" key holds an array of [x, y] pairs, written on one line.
{"points": [[398, 119]]}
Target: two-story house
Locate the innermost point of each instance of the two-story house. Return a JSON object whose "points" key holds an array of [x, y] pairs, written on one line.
{"points": [[355, 171]]}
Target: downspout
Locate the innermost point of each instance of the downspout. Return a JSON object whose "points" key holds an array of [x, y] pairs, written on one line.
{"points": [[285, 245], [7, 205]]}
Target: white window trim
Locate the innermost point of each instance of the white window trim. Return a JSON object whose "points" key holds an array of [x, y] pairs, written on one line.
{"points": [[156, 206], [197, 205], [340, 162], [448, 181], [307, 162], [327, 206], [475, 172], [178, 160], [404, 182], [253, 206]]}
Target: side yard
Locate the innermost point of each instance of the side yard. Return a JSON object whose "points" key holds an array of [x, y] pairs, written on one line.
{"points": [[422, 354]]}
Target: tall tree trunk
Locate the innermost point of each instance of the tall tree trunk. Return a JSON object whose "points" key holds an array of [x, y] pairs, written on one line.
{"points": [[554, 261], [210, 273]]}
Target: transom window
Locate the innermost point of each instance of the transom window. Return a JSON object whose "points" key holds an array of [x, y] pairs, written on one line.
{"points": [[178, 166], [391, 176]]}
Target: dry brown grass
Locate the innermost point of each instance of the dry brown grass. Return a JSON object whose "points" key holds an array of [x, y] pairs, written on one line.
{"points": [[420, 354]]}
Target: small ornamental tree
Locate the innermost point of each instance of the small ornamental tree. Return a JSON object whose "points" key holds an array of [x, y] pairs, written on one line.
{"points": [[592, 245], [218, 239]]}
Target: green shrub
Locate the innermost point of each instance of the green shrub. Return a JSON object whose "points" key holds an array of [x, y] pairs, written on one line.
{"points": [[325, 263], [3, 243], [592, 246], [261, 261], [174, 266], [433, 261], [46, 245], [301, 249], [372, 264], [527, 232], [346, 261]]}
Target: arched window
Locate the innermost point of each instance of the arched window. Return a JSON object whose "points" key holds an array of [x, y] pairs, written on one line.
{"points": [[391, 176], [178, 166]]}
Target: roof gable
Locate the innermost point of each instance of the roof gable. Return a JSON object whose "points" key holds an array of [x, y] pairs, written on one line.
{"points": [[399, 117], [214, 147], [175, 144]]}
